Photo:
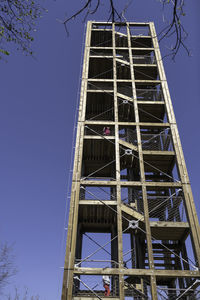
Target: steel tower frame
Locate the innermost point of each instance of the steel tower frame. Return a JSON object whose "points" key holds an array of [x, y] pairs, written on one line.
{"points": [[132, 215]]}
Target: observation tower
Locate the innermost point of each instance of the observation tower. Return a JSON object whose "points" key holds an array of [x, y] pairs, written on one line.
{"points": [[132, 216]]}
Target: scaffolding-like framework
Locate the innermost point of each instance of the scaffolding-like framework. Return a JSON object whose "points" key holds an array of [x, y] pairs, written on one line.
{"points": [[132, 215]]}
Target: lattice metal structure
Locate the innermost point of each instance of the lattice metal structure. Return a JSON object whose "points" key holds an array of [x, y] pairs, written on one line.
{"points": [[132, 215]]}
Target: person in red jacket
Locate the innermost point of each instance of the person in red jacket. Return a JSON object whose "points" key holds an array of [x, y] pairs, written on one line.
{"points": [[106, 130]]}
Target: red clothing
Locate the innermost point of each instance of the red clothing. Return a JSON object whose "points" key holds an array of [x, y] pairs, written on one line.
{"points": [[107, 290], [107, 131]]}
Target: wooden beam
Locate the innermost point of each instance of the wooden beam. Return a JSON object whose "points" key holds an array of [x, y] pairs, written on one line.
{"points": [[128, 145], [138, 272], [144, 124], [97, 137], [133, 213], [131, 183], [142, 172], [174, 225], [97, 202], [94, 298], [118, 188]]}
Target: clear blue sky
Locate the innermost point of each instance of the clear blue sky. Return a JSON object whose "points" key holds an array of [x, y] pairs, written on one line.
{"points": [[36, 121]]}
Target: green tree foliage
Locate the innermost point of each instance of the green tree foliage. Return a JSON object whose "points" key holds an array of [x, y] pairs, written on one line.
{"points": [[17, 24]]}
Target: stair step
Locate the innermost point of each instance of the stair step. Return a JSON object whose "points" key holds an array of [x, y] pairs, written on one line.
{"points": [[131, 212], [128, 145], [124, 97], [121, 34], [121, 61]]}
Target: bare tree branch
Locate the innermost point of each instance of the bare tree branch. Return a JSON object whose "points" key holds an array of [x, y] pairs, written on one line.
{"points": [[175, 28], [7, 266], [24, 295], [174, 31]]}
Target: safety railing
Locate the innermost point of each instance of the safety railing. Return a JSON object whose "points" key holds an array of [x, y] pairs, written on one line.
{"points": [[101, 38], [164, 208], [101, 131], [158, 142], [105, 26], [141, 31], [101, 52], [128, 135], [100, 86], [93, 286], [149, 95], [97, 263], [132, 198], [144, 59], [121, 40], [127, 91], [101, 193], [161, 208], [178, 292], [137, 291], [123, 56]]}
